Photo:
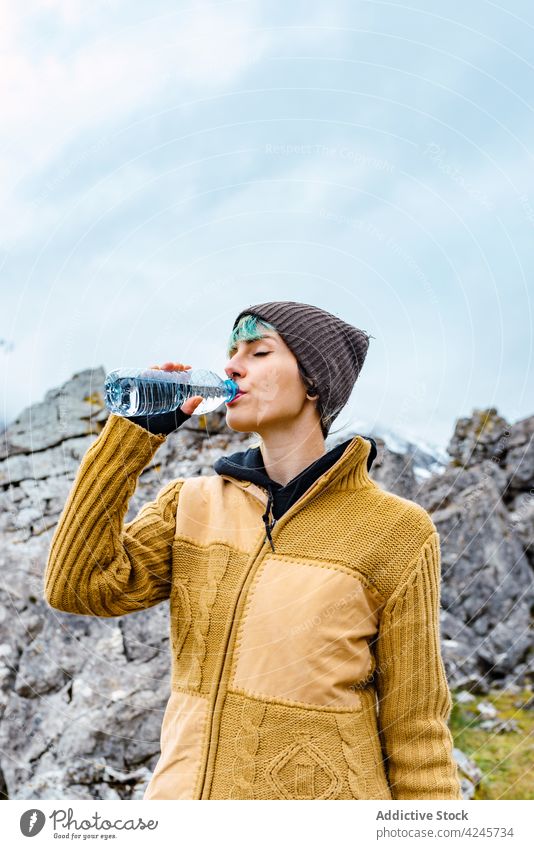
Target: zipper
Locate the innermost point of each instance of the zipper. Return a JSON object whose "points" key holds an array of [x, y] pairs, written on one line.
{"points": [[268, 515]]}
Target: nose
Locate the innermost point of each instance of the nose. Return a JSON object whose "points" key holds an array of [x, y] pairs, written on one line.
{"points": [[233, 369]]}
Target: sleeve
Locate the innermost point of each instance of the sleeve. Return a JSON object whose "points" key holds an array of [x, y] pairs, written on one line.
{"points": [[161, 423], [97, 566], [414, 700]]}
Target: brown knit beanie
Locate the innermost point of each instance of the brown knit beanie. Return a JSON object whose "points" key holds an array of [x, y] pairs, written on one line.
{"points": [[329, 351]]}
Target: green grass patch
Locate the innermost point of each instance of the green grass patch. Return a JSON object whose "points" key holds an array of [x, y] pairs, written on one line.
{"points": [[505, 758]]}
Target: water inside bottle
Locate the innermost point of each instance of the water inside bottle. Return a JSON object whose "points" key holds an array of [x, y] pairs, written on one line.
{"points": [[131, 396]]}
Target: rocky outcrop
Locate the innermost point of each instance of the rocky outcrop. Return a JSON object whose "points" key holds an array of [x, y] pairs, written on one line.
{"points": [[82, 699], [483, 507]]}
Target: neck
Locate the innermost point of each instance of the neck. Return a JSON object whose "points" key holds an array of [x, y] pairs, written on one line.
{"points": [[285, 456]]}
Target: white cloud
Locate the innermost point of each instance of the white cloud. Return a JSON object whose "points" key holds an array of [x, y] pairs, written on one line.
{"points": [[52, 99]]}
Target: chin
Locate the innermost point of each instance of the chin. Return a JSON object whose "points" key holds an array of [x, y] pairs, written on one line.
{"points": [[238, 429], [242, 426], [242, 423]]}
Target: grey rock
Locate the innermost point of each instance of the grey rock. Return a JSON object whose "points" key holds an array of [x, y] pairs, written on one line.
{"points": [[482, 436], [464, 697], [519, 457], [522, 521], [76, 409], [467, 766], [61, 459], [487, 582], [467, 788], [487, 710], [394, 472], [499, 726], [487, 436]]}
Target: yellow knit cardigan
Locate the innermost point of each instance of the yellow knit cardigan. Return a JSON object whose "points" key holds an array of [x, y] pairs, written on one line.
{"points": [[311, 672]]}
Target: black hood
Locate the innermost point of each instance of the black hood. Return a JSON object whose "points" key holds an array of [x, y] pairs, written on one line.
{"points": [[248, 465]]}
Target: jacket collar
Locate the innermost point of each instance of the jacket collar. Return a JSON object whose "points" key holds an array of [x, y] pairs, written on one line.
{"points": [[345, 466], [249, 466]]}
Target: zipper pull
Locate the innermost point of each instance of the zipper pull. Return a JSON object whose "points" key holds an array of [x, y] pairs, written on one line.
{"points": [[267, 517]]}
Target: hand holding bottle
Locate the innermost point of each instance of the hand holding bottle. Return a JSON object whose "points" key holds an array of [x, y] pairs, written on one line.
{"points": [[189, 406]]}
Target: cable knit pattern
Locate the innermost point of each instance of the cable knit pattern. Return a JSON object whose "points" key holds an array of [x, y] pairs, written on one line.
{"points": [[183, 617], [246, 745], [348, 731], [201, 626], [304, 771]]}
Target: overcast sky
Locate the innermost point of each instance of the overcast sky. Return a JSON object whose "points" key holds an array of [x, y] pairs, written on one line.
{"points": [[165, 165]]}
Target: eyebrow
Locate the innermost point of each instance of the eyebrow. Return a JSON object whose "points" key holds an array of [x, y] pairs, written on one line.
{"points": [[253, 341]]}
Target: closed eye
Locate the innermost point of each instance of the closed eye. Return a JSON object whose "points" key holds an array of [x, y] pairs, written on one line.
{"points": [[262, 353]]}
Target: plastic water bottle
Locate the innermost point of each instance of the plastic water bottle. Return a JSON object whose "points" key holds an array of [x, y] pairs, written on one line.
{"points": [[131, 392]]}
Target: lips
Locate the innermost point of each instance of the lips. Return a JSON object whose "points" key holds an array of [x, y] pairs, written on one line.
{"points": [[239, 394]]}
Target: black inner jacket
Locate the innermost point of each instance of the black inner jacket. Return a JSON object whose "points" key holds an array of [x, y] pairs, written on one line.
{"points": [[248, 465]]}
